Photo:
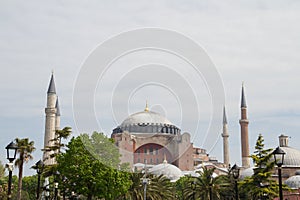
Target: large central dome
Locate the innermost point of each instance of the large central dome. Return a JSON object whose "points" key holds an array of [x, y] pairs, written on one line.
{"points": [[145, 117], [147, 122]]}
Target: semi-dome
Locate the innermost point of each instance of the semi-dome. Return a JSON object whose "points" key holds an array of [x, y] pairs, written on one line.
{"points": [[291, 157], [168, 170], [293, 182], [147, 122]]}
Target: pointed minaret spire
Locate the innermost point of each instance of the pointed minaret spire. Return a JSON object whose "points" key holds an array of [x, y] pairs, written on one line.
{"points": [[57, 108], [51, 88], [225, 136], [244, 132], [224, 116], [243, 99], [57, 115], [146, 108]]}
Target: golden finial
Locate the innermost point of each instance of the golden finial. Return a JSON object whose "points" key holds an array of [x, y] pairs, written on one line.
{"points": [[146, 109], [165, 159]]}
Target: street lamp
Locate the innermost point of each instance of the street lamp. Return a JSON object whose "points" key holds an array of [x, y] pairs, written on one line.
{"points": [[73, 194], [56, 177], [193, 188], [236, 173], [39, 169], [11, 150], [145, 182], [279, 157], [209, 177], [64, 180]]}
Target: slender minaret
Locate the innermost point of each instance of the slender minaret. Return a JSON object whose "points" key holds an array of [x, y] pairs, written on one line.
{"points": [[244, 132], [225, 136], [50, 122], [57, 116]]}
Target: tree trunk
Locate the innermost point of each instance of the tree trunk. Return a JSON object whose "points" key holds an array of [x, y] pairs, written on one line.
{"points": [[20, 177]]}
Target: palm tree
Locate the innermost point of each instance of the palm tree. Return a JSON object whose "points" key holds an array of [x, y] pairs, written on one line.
{"points": [[205, 186], [25, 149], [158, 188], [135, 192], [62, 134], [55, 149]]}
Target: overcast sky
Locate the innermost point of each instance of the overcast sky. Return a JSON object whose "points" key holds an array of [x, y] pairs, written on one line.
{"points": [[252, 41]]}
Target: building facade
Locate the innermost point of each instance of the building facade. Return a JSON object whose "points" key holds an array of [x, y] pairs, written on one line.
{"points": [[148, 137]]}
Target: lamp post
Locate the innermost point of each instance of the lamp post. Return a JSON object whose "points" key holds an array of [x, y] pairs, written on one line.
{"points": [[73, 194], [236, 173], [11, 150], [145, 182], [209, 177], [64, 180], [56, 176], [39, 169], [279, 157], [210, 192], [193, 188]]}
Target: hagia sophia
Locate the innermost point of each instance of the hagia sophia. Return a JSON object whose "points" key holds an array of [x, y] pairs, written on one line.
{"points": [[149, 139]]}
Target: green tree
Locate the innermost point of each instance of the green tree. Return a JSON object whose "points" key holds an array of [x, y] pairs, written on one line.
{"points": [[29, 186], [201, 187], [227, 189], [102, 148], [260, 183], [2, 170], [2, 180], [56, 148], [158, 188], [86, 165], [4, 187], [25, 148], [181, 184], [135, 191]]}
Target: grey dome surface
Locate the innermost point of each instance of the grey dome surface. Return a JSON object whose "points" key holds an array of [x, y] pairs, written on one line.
{"points": [[147, 122], [145, 117], [291, 157], [168, 170], [293, 182]]}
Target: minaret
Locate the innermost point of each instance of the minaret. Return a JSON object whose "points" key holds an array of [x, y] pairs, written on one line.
{"points": [[57, 116], [225, 136], [244, 132], [50, 122]]}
